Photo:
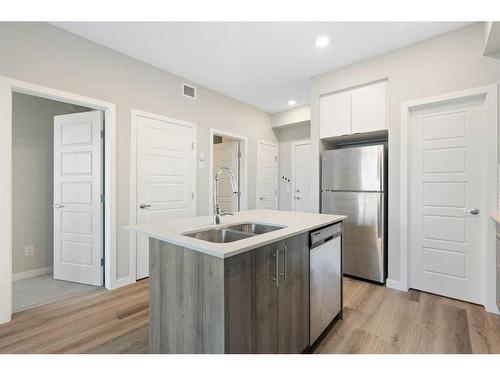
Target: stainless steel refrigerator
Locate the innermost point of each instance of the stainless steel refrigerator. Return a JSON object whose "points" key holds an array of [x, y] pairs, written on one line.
{"points": [[354, 184]]}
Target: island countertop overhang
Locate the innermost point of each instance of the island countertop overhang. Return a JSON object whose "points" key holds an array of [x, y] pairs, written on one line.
{"points": [[294, 223]]}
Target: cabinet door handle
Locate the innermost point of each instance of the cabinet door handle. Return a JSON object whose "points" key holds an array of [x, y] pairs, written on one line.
{"points": [[285, 252], [276, 268]]}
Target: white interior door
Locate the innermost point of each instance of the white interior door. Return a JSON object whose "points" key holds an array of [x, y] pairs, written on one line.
{"points": [[165, 182], [78, 185], [448, 215], [267, 175], [301, 179], [226, 155]]}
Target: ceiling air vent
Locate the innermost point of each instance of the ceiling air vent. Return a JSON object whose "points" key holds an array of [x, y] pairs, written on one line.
{"points": [[189, 91]]}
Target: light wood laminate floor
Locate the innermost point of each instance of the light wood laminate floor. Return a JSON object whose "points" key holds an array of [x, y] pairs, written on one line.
{"points": [[376, 320]]}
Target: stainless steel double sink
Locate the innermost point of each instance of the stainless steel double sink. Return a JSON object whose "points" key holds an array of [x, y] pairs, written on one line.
{"points": [[233, 233]]}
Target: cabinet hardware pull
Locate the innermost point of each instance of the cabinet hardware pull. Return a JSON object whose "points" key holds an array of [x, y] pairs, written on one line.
{"points": [[276, 268], [285, 251]]}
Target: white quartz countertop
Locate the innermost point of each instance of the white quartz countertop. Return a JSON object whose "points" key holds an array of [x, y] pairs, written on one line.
{"points": [[294, 222]]}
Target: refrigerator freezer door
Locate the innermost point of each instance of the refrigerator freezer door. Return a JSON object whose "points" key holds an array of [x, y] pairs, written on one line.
{"points": [[354, 169], [363, 252]]}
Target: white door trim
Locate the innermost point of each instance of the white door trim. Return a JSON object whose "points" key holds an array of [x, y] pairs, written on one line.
{"points": [[134, 114], [7, 87], [294, 144], [243, 168], [489, 93], [257, 192]]}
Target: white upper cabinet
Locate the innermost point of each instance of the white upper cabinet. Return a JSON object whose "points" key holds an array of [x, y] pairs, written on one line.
{"points": [[353, 111], [335, 114], [368, 108]]}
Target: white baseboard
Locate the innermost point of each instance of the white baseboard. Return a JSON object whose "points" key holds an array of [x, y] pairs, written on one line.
{"points": [[32, 273], [122, 282], [492, 308], [395, 284]]}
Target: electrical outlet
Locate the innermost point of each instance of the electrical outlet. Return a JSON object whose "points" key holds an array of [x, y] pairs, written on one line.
{"points": [[29, 250]]}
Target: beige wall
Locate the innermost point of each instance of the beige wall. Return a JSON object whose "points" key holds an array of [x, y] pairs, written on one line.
{"points": [[291, 116], [446, 63], [286, 137], [43, 54], [32, 179]]}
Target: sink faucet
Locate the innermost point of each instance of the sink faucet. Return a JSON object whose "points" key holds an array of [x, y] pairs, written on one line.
{"points": [[234, 188]]}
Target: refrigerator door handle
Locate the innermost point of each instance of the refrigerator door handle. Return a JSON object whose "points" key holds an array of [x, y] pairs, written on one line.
{"points": [[381, 168], [379, 218]]}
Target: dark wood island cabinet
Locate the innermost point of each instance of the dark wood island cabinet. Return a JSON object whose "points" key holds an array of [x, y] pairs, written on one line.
{"points": [[253, 302]]}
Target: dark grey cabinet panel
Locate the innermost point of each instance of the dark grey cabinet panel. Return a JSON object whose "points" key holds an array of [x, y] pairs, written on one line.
{"points": [[239, 303], [186, 300], [265, 315], [266, 300], [251, 302], [293, 295]]}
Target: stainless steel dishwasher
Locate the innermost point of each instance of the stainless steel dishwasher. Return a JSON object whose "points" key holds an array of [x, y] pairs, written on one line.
{"points": [[325, 278]]}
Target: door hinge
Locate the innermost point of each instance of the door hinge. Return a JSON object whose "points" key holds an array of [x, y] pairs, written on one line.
{"points": [[192, 195], [102, 198], [275, 158], [102, 133], [192, 145], [239, 155], [102, 261]]}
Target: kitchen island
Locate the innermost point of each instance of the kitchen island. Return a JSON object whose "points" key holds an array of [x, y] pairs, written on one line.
{"points": [[238, 287]]}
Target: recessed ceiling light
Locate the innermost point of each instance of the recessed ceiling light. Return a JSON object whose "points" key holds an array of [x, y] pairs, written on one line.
{"points": [[322, 41], [292, 102]]}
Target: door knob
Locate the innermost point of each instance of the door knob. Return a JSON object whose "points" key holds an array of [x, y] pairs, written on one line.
{"points": [[298, 198], [57, 205], [473, 211], [144, 205]]}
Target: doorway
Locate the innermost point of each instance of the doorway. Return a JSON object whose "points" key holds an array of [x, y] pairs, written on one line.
{"points": [[57, 211], [447, 248], [228, 150], [302, 197], [163, 176], [7, 88], [267, 175]]}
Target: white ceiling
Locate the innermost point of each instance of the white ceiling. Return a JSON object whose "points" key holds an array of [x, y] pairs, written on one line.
{"points": [[263, 64]]}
